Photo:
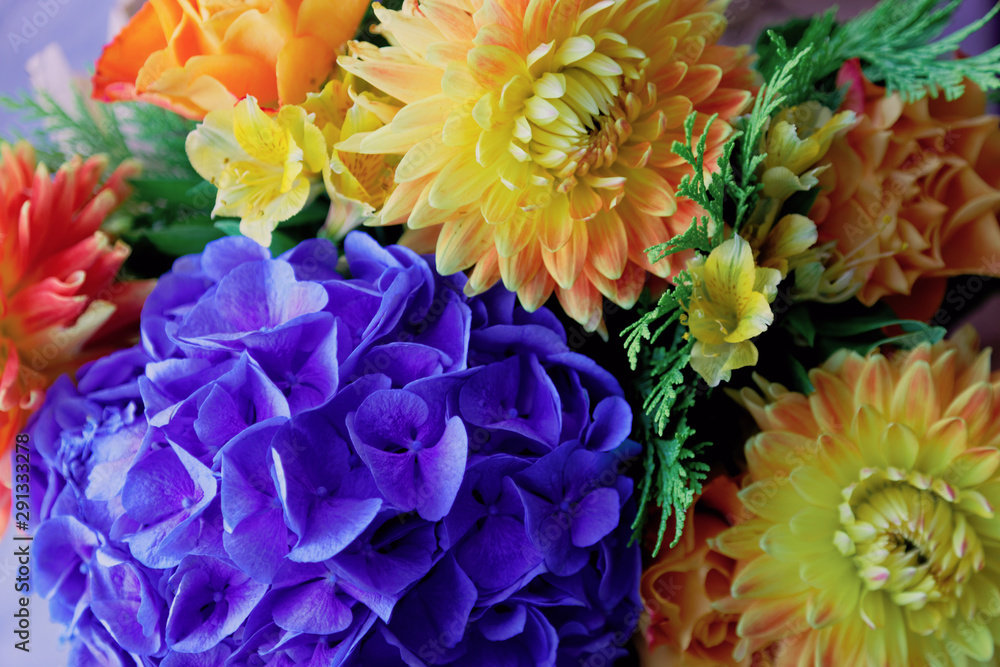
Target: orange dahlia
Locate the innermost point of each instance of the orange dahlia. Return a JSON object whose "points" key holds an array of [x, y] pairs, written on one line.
{"points": [[195, 56], [912, 195], [536, 135], [682, 588], [60, 305], [874, 535]]}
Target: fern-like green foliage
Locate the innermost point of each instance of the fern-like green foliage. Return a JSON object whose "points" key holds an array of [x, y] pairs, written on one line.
{"points": [[124, 130], [673, 473], [899, 44]]}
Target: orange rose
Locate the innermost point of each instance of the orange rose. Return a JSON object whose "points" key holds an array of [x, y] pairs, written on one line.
{"points": [[194, 56], [912, 194], [685, 629]]}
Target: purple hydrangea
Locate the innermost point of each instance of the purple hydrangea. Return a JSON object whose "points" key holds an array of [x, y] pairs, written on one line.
{"points": [[298, 468]]}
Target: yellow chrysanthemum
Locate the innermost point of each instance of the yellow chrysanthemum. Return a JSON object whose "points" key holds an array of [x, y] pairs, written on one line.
{"points": [[873, 537], [536, 135], [797, 139], [729, 306]]}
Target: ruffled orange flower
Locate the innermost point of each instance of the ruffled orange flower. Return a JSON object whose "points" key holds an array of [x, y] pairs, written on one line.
{"points": [[536, 136], [874, 533], [912, 195], [683, 586], [196, 56], [60, 304]]}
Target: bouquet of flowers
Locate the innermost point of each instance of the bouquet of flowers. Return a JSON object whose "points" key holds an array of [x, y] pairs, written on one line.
{"points": [[497, 333]]}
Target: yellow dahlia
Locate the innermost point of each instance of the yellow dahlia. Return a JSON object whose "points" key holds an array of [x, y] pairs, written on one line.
{"points": [[912, 195], [729, 306], [536, 135], [874, 537]]}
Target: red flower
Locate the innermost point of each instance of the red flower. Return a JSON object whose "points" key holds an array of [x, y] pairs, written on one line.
{"points": [[60, 304]]}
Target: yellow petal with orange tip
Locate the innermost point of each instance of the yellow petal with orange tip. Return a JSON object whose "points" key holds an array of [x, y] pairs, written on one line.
{"points": [[742, 540], [500, 205], [554, 224], [566, 264], [831, 403], [875, 385], [521, 267], [406, 82], [461, 242], [402, 200], [536, 292], [583, 303], [608, 244], [974, 405], [625, 291], [774, 452], [915, 402], [485, 275], [975, 466], [493, 66], [428, 157], [901, 446], [651, 192]]}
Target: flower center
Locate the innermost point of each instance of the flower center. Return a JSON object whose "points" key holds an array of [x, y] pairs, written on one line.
{"points": [[579, 112], [912, 543], [579, 106]]}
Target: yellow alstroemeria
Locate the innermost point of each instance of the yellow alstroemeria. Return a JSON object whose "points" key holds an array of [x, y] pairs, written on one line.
{"points": [[263, 166], [800, 136], [797, 139], [357, 183], [729, 305]]}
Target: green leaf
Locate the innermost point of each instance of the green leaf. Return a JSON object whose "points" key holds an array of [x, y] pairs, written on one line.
{"points": [[863, 325], [799, 322], [909, 340], [281, 243], [228, 227], [179, 240], [314, 212], [801, 376], [170, 191]]}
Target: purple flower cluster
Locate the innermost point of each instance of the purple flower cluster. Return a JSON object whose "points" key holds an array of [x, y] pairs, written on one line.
{"points": [[297, 468]]}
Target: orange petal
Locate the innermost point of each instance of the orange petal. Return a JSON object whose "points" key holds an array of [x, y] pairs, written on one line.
{"points": [[582, 302], [122, 58], [304, 65]]}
